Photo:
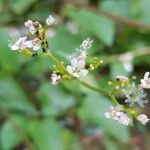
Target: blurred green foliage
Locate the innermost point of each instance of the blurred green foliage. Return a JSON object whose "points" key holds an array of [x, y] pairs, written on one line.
{"points": [[60, 117]]}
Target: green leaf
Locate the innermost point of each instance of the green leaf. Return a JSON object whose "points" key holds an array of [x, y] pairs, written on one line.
{"points": [[93, 109], [144, 11], [46, 135], [39, 65], [54, 100], [20, 6], [12, 96], [99, 26], [121, 8], [8, 136]]}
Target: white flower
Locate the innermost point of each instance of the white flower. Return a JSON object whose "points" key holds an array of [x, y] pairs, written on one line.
{"points": [[86, 44], [135, 94], [36, 44], [126, 59], [122, 78], [55, 78], [78, 60], [142, 118], [50, 20], [145, 82], [116, 114], [30, 24], [124, 119], [77, 68], [20, 44]]}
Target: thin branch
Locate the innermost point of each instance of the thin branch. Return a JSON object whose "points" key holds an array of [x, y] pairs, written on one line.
{"points": [[120, 19], [135, 53]]}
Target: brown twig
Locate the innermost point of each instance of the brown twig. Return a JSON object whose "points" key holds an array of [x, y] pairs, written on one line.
{"points": [[120, 19]]}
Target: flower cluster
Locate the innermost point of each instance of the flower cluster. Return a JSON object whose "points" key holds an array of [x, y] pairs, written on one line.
{"points": [[134, 95], [118, 115], [77, 67], [37, 37]]}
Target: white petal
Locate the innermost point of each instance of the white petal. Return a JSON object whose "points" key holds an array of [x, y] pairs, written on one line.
{"points": [[146, 75], [142, 118], [74, 62], [83, 72], [107, 115], [14, 47], [70, 69]]}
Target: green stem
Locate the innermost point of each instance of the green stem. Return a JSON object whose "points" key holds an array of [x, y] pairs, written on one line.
{"points": [[93, 88], [53, 58]]}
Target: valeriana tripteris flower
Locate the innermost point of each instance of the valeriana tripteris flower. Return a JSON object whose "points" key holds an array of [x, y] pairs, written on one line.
{"points": [[135, 94], [116, 114], [86, 44], [50, 20], [55, 78], [78, 60], [142, 118], [20, 44], [121, 78], [77, 68], [36, 44], [145, 82], [33, 26]]}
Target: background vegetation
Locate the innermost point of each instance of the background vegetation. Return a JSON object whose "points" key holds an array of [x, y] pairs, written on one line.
{"points": [[35, 115]]}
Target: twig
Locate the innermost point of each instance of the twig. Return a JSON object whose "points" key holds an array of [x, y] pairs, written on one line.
{"points": [[117, 18], [135, 53]]}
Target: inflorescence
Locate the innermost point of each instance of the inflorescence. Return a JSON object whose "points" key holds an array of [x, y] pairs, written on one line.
{"points": [[133, 94]]}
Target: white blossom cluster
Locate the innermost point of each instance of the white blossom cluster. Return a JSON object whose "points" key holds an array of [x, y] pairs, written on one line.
{"points": [[50, 20], [78, 60], [77, 63], [134, 94], [35, 43], [115, 113], [22, 43]]}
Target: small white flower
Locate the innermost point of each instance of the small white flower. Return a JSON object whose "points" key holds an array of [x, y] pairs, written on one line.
{"points": [[124, 119], [116, 114], [77, 68], [29, 23], [122, 78], [135, 94], [33, 26], [126, 59], [86, 44], [20, 44], [55, 78], [50, 20], [145, 82], [36, 44], [142, 118]]}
